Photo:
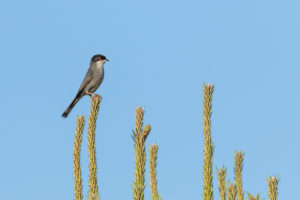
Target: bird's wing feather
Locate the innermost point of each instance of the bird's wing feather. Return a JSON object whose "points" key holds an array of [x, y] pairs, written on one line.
{"points": [[87, 79]]}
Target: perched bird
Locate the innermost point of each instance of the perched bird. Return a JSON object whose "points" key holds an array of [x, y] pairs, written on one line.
{"points": [[91, 81]]}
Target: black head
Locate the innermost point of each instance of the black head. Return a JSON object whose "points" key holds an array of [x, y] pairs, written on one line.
{"points": [[98, 57]]}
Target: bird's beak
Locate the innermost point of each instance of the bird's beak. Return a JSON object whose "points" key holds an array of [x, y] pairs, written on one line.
{"points": [[107, 60]]}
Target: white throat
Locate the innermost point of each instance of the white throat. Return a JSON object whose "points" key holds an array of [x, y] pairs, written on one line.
{"points": [[99, 64]]}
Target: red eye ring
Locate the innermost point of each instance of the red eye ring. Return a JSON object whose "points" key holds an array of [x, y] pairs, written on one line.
{"points": [[99, 58]]}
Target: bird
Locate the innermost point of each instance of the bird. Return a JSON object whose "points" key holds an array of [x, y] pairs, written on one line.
{"points": [[91, 81]]}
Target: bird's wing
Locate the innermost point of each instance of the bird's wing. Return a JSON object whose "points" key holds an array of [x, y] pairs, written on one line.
{"points": [[87, 79]]}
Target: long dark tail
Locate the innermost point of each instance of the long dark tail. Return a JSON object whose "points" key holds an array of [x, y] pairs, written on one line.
{"points": [[73, 103]]}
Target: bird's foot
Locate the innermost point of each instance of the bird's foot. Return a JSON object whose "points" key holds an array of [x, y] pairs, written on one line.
{"points": [[97, 95], [93, 94]]}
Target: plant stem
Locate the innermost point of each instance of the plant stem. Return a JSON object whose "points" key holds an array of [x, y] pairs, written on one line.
{"points": [[152, 165], [208, 146], [139, 137], [238, 167], [273, 187], [221, 181], [93, 193], [76, 158]]}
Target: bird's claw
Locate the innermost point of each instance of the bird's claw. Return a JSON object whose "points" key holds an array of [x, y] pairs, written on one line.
{"points": [[97, 95], [94, 94]]}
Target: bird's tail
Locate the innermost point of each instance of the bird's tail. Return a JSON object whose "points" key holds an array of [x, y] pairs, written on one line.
{"points": [[71, 106]]}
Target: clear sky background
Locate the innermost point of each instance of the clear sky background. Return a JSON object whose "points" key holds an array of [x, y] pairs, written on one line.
{"points": [[161, 52]]}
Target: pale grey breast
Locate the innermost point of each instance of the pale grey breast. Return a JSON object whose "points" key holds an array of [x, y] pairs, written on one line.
{"points": [[98, 76]]}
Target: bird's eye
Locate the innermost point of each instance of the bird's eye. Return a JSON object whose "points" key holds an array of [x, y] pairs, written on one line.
{"points": [[99, 58]]}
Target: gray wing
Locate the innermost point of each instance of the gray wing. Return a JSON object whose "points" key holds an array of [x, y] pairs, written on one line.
{"points": [[87, 79]]}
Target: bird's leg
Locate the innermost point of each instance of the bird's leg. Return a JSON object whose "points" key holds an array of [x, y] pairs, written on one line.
{"points": [[91, 94]]}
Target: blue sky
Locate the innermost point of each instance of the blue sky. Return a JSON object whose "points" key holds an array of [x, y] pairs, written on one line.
{"points": [[161, 52]]}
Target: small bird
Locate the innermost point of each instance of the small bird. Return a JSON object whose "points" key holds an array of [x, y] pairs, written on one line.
{"points": [[91, 81]]}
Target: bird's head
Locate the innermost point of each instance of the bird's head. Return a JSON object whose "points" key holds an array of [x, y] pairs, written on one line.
{"points": [[99, 58]]}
